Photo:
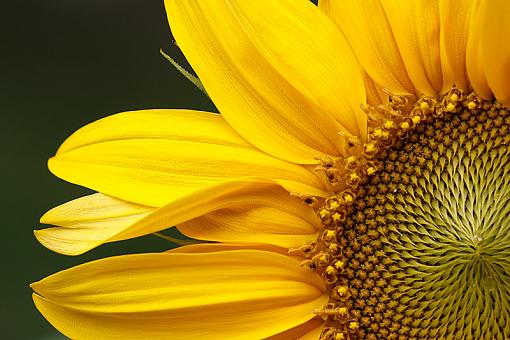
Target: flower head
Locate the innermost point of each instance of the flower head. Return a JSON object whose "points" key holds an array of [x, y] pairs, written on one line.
{"points": [[356, 182]]}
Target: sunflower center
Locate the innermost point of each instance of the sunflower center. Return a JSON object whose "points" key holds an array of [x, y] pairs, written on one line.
{"points": [[419, 245]]}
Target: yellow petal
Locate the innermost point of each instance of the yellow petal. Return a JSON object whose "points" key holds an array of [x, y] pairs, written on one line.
{"points": [[172, 124], [244, 294], [373, 97], [90, 221], [258, 61], [415, 25], [155, 157], [334, 83], [313, 334], [474, 61], [309, 330], [368, 31], [495, 47], [266, 216], [215, 247], [87, 222], [455, 17]]}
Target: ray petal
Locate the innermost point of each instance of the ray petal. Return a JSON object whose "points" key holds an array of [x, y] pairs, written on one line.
{"points": [[368, 31], [270, 216], [238, 211], [309, 330], [495, 47], [474, 61], [455, 16], [154, 157], [279, 71], [415, 25], [228, 294]]}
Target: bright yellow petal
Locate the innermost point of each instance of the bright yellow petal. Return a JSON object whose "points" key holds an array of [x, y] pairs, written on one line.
{"points": [[334, 83], [495, 47], [278, 71], [245, 294], [87, 222], [367, 29], [267, 216], [373, 97], [90, 221], [455, 17], [215, 247], [313, 334], [129, 157], [259, 224], [309, 330], [415, 25], [171, 124], [474, 61]]}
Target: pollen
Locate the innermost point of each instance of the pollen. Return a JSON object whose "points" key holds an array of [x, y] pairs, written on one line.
{"points": [[342, 290], [337, 217], [330, 270], [421, 249]]}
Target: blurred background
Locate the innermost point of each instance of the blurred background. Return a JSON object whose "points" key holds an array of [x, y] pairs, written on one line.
{"points": [[65, 64]]}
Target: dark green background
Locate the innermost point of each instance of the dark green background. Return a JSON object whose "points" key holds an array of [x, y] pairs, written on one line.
{"points": [[65, 63]]}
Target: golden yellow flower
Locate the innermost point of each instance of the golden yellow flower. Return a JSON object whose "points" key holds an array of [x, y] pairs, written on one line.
{"points": [[356, 182]]}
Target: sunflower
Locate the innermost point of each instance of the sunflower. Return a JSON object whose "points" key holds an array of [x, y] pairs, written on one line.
{"points": [[355, 186]]}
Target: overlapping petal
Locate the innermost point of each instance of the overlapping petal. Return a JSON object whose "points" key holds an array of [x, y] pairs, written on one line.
{"points": [[310, 330], [237, 211], [86, 222], [280, 72], [267, 216], [228, 294], [216, 247], [416, 27], [157, 156], [368, 31], [373, 96], [455, 18], [474, 62], [494, 46]]}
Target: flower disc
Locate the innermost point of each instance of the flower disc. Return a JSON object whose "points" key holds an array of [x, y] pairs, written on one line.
{"points": [[424, 247]]}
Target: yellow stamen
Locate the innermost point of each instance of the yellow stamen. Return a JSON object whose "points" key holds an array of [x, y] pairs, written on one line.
{"points": [[330, 270], [342, 290], [330, 234], [378, 133], [348, 198], [337, 217], [450, 107], [416, 119], [354, 177], [343, 311], [389, 124], [334, 204], [333, 247], [324, 213]]}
